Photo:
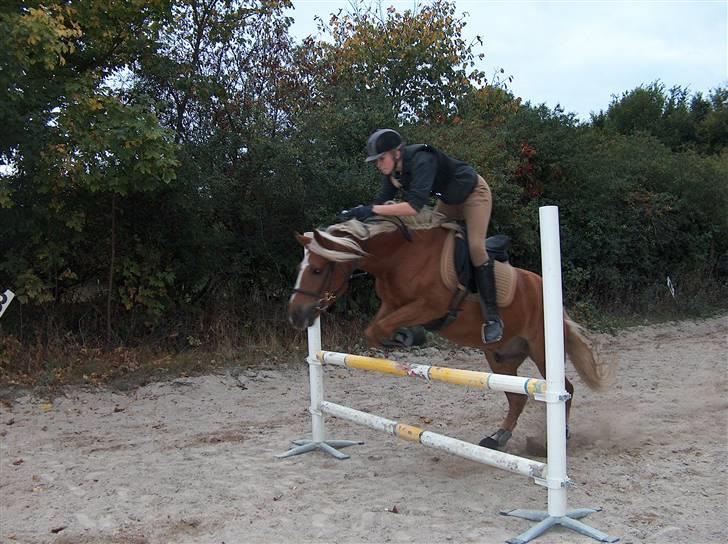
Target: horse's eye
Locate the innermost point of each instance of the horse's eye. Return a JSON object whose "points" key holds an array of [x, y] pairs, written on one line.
{"points": [[316, 271]]}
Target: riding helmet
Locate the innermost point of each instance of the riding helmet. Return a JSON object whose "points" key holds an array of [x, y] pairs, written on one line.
{"points": [[381, 141]]}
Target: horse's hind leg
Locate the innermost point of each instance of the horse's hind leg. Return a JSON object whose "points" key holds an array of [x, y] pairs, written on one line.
{"points": [[516, 402], [538, 354]]}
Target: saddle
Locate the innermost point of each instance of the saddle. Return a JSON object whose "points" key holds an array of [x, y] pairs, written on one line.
{"points": [[456, 273]]}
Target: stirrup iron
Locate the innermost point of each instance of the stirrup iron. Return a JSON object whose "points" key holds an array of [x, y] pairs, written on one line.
{"points": [[491, 331]]}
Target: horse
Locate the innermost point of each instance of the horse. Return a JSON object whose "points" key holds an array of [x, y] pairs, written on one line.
{"points": [[404, 256]]}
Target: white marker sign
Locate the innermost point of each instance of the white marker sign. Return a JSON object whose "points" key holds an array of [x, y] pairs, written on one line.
{"points": [[5, 299]]}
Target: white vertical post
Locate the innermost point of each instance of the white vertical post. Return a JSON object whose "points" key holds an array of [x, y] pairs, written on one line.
{"points": [[554, 334], [316, 380]]}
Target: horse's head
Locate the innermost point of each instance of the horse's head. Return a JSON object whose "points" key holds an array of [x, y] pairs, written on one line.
{"points": [[323, 275]]}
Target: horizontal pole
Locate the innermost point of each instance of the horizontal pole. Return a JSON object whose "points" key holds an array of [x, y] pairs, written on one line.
{"points": [[479, 454], [468, 378]]}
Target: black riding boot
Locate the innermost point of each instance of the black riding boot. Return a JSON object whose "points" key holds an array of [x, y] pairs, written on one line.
{"points": [[492, 326]]}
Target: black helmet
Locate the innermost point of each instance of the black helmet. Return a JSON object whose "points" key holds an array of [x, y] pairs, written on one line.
{"points": [[383, 140]]}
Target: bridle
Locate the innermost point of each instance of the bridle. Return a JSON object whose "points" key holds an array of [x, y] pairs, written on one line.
{"points": [[325, 296]]}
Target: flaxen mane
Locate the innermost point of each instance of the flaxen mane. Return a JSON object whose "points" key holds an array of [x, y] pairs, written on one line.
{"points": [[350, 233]]}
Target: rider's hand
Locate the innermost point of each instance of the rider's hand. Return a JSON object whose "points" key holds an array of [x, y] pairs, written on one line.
{"points": [[361, 213]]}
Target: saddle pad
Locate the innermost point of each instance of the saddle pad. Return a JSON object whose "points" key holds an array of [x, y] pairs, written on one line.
{"points": [[505, 274]]}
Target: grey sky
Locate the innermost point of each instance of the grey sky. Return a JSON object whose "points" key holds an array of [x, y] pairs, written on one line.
{"points": [[580, 53]]}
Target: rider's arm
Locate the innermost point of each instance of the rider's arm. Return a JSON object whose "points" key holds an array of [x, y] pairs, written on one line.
{"points": [[400, 209]]}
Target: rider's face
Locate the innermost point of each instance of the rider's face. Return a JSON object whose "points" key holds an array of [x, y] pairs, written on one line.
{"points": [[386, 163]]}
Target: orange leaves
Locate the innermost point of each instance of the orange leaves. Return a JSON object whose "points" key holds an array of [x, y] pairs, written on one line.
{"points": [[49, 31], [417, 57]]}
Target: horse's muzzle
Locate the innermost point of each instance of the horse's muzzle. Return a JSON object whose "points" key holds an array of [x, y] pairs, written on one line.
{"points": [[302, 317]]}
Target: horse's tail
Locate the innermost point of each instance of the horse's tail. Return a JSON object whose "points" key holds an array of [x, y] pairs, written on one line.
{"points": [[596, 373]]}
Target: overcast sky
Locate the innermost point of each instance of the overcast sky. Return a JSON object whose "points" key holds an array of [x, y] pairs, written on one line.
{"points": [[579, 53]]}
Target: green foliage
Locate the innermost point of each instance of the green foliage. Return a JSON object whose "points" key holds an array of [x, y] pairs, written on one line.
{"points": [[633, 211], [676, 119], [162, 153], [417, 58], [76, 148]]}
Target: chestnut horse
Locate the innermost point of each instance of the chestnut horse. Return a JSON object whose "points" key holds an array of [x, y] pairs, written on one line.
{"points": [[405, 262]]}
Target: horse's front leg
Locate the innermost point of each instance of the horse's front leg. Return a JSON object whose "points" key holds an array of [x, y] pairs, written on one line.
{"points": [[385, 323], [383, 311]]}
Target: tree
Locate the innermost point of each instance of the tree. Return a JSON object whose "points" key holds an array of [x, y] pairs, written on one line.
{"points": [[72, 138], [418, 58], [673, 116], [711, 118]]}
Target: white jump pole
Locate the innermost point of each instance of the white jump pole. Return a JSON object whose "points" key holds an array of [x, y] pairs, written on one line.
{"points": [[556, 396], [316, 383], [554, 334]]}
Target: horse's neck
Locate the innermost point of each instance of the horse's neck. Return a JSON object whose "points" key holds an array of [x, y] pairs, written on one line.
{"points": [[391, 249]]}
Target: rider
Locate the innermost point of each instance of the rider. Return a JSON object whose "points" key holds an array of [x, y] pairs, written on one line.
{"points": [[421, 171]]}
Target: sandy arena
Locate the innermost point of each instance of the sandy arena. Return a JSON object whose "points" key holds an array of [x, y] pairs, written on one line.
{"points": [[191, 460]]}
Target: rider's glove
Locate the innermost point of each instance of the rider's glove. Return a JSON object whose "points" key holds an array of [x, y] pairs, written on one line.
{"points": [[361, 213]]}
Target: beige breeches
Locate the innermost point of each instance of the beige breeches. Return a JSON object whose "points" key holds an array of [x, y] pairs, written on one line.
{"points": [[476, 213]]}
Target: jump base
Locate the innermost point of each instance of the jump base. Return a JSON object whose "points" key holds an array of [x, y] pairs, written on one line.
{"points": [[329, 446], [545, 522]]}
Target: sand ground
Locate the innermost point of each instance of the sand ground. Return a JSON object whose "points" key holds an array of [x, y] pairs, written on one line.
{"points": [[191, 460]]}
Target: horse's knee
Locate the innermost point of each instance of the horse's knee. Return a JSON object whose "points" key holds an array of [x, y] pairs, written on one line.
{"points": [[371, 336]]}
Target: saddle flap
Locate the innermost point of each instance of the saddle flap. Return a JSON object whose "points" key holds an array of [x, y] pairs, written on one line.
{"points": [[451, 268]]}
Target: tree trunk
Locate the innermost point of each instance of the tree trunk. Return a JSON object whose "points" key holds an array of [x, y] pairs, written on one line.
{"points": [[112, 262]]}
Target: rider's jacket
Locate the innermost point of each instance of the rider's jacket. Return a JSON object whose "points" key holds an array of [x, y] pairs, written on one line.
{"points": [[427, 172]]}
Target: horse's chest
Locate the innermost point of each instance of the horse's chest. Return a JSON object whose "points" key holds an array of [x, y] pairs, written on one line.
{"points": [[397, 291]]}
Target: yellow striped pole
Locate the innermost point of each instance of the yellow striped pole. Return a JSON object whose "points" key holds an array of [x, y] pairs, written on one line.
{"points": [[468, 378]]}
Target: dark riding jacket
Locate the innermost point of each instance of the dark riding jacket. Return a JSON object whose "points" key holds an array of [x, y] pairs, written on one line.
{"points": [[428, 172]]}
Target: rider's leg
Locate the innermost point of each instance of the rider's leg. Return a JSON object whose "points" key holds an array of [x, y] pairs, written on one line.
{"points": [[476, 211]]}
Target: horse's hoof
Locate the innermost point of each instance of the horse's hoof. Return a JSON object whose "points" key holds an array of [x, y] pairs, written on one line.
{"points": [[406, 337], [489, 443], [496, 441]]}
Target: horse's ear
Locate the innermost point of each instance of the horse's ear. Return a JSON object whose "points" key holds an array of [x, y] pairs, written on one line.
{"points": [[323, 242], [302, 239]]}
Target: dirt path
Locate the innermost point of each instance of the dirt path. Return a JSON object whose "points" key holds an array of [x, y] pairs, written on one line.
{"points": [[191, 460]]}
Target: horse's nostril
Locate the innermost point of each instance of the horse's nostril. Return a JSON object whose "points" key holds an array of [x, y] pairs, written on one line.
{"points": [[298, 317]]}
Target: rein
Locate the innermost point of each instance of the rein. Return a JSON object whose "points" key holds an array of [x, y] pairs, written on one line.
{"points": [[400, 224]]}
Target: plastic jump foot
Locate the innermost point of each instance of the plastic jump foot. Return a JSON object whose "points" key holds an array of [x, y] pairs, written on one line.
{"points": [[328, 446], [545, 522]]}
